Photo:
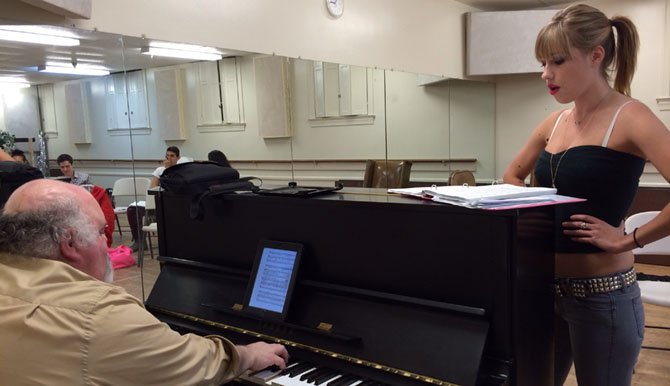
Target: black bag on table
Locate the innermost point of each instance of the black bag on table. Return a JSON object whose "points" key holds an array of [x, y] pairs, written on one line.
{"points": [[203, 179], [14, 174]]}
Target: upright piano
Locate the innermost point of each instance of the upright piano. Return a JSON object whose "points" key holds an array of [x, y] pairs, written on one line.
{"points": [[390, 291]]}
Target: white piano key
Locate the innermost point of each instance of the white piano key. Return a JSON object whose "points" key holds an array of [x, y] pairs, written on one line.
{"points": [[286, 380]]}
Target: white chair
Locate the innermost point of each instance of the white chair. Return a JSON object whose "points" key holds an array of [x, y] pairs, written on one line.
{"points": [[148, 230], [653, 292], [129, 187]]}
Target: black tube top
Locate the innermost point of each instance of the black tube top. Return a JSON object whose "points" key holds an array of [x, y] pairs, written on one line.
{"points": [[606, 178]]}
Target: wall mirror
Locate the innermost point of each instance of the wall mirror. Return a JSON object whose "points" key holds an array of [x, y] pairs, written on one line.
{"points": [[277, 118]]}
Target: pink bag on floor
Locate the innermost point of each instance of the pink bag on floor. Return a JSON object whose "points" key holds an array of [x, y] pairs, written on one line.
{"points": [[121, 256]]}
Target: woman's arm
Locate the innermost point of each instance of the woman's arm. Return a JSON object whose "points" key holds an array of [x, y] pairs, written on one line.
{"points": [[640, 132], [652, 138], [523, 163]]}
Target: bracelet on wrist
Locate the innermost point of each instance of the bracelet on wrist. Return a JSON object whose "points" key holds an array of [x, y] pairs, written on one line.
{"points": [[635, 239]]}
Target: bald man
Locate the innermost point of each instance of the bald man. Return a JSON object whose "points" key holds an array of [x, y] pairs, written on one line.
{"points": [[61, 321]]}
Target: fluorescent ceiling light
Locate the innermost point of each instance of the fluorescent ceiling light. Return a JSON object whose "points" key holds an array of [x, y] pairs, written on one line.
{"points": [[70, 70], [182, 51], [37, 35]]}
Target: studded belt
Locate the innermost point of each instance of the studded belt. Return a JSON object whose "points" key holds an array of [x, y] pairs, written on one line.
{"points": [[581, 288]]}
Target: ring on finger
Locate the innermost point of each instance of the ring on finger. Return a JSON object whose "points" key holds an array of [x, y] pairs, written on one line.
{"points": [[582, 225]]}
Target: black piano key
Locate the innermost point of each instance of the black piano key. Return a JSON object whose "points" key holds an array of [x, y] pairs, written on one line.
{"points": [[367, 382], [344, 380], [326, 376], [318, 374], [298, 369], [289, 368], [273, 368], [309, 376]]}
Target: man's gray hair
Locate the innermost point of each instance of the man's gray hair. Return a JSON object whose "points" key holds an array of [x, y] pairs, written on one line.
{"points": [[38, 232]]}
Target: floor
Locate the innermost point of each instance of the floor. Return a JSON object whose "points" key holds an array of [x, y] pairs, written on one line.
{"points": [[137, 282], [653, 366]]}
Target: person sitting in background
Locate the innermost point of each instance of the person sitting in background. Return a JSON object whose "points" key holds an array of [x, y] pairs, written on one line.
{"points": [[64, 324], [136, 213], [218, 157], [65, 163], [19, 156], [171, 158]]}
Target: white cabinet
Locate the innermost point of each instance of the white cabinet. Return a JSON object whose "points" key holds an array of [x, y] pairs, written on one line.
{"points": [[503, 42], [273, 97], [220, 93], [78, 121], [340, 90], [45, 94], [127, 101], [170, 104]]}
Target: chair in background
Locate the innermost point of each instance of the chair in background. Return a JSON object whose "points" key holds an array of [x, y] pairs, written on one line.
{"points": [[128, 187], [653, 292], [387, 174], [462, 177], [148, 230]]}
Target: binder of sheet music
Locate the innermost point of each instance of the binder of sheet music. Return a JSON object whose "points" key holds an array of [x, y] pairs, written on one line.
{"points": [[484, 194]]}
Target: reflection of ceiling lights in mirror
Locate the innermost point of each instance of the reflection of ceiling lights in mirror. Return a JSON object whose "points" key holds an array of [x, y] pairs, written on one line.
{"points": [[37, 35], [12, 83], [183, 51], [79, 59], [68, 68]]}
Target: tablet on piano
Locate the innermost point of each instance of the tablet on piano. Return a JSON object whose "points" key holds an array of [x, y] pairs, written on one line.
{"points": [[272, 279], [293, 190]]}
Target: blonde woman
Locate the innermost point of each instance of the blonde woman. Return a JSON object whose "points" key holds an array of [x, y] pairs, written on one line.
{"points": [[595, 149]]}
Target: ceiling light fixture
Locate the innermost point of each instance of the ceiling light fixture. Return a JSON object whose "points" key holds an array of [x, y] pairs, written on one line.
{"points": [[182, 51], [37, 35], [69, 69]]}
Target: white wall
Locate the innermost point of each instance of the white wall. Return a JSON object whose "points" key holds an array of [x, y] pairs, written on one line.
{"points": [[522, 101], [423, 36]]}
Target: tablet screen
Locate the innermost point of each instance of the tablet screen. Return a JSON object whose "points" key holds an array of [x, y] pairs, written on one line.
{"points": [[272, 278]]}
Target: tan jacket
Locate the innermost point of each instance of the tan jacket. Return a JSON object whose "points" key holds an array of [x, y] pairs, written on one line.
{"points": [[59, 326]]}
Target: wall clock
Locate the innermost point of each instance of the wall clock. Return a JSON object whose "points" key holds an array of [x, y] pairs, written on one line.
{"points": [[335, 7]]}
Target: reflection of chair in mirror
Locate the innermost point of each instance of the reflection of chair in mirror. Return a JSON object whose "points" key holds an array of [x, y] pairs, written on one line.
{"points": [[149, 229], [653, 292], [462, 177], [128, 187], [387, 174]]}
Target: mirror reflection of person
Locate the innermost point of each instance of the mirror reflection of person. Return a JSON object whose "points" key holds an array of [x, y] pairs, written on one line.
{"points": [[63, 323], [218, 157], [65, 163], [19, 156], [135, 213], [597, 150], [4, 156], [171, 158]]}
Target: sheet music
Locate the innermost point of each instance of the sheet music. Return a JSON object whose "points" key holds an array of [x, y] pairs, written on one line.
{"points": [[474, 194], [491, 197]]}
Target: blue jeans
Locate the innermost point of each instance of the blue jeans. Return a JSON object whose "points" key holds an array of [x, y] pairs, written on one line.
{"points": [[602, 334]]}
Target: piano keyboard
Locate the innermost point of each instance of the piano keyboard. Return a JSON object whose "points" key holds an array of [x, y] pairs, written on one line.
{"points": [[307, 374]]}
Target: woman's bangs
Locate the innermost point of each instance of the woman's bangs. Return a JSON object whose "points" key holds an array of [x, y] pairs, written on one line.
{"points": [[551, 43]]}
